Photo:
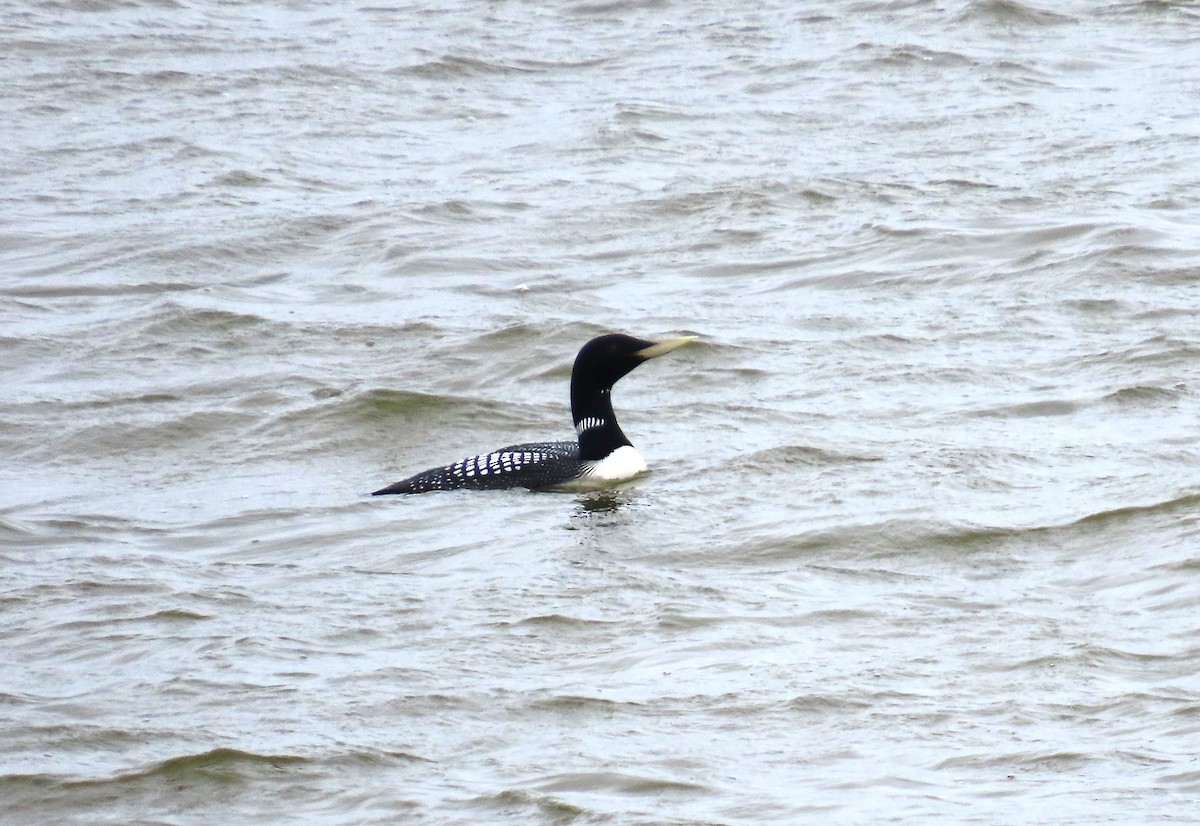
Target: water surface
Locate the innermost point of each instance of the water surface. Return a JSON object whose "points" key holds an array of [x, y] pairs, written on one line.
{"points": [[920, 537]]}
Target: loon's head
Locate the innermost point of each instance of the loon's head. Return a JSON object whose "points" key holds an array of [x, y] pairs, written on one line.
{"points": [[599, 365], [604, 360]]}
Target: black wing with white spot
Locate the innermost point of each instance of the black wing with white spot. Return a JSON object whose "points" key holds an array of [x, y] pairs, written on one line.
{"points": [[534, 465]]}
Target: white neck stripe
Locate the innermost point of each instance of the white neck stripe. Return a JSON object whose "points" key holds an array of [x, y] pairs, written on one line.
{"points": [[589, 423]]}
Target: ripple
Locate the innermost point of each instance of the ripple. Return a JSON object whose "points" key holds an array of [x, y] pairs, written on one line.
{"points": [[1010, 12], [621, 783]]}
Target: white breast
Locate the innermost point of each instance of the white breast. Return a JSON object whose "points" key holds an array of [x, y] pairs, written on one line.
{"points": [[623, 463]]}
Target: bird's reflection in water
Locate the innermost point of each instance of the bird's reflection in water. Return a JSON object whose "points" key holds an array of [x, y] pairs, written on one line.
{"points": [[588, 506], [602, 501]]}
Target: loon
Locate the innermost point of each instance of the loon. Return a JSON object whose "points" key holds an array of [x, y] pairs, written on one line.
{"points": [[602, 454]]}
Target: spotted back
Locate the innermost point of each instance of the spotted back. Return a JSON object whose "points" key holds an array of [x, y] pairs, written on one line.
{"points": [[534, 465]]}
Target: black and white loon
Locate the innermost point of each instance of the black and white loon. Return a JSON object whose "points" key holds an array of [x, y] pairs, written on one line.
{"points": [[602, 454]]}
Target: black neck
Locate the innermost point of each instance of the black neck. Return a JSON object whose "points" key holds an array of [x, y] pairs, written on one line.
{"points": [[595, 422]]}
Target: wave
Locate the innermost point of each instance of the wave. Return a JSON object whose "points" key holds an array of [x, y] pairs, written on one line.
{"points": [[576, 704], [455, 67], [618, 782], [790, 456], [1131, 516], [561, 621], [1131, 397], [908, 537], [222, 764], [1009, 12], [1062, 761]]}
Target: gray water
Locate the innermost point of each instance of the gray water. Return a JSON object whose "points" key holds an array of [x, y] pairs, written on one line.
{"points": [[920, 538]]}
